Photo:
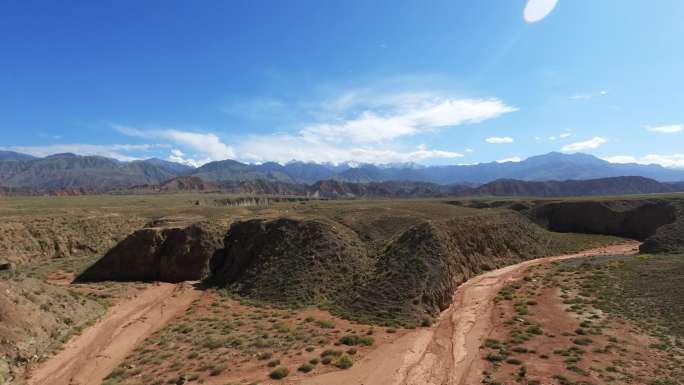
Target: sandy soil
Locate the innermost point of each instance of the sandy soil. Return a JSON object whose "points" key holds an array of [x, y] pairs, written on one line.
{"points": [[448, 353], [90, 357]]}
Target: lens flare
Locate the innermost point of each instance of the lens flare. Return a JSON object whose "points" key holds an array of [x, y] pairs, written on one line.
{"points": [[536, 10]]}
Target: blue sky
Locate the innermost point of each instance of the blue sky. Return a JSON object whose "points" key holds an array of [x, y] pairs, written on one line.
{"points": [[435, 82]]}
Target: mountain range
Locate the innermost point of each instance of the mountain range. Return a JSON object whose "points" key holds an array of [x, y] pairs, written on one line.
{"points": [[64, 173]]}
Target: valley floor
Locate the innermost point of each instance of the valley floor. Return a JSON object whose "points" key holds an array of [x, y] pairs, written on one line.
{"points": [[450, 352]]}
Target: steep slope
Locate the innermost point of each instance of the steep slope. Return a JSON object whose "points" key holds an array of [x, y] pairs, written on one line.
{"points": [[417, 273], [170, 255], [290, 261], [637, 219]]}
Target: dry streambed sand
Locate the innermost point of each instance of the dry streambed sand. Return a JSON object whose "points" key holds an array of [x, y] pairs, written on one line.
{"points": [[90, 357], [449, 352]]}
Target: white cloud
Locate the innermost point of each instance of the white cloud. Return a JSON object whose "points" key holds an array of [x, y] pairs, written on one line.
{"points": [[115, 151], [366, 126], [590, 144], [669, 129], [204, 143], [671, 160], [552, 138], [564, 135], [469, 150], [511, 159], [537, 10], [499, 140], [208, 146], [361, 125], [178, 156], [408, 114]]}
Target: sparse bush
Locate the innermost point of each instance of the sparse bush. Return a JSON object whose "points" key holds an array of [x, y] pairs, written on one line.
{"points": [[306, 368], [273, 363], [344, 362], [279, 373]]}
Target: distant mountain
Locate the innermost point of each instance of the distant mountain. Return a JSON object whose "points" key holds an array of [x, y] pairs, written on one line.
{"points": [[605, 186], [336, 189], [11, 155], [332, 189], [552, 166], [71, 173], [76, 174], [171, 167]]}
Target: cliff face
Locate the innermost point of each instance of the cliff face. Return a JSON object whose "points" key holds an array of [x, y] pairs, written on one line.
{"points": [[631, 219], [171, 255]]}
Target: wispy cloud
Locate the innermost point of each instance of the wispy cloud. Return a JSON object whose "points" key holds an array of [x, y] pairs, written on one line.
{"points": [[375, 125], [588, 95], [668, 129], [366, 125], [590, 144], [409, 117], [499, 140], [116, 151], [665, 160]]}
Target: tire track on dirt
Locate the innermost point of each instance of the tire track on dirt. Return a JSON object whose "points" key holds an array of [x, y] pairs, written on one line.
{"points": [[88, 358]]}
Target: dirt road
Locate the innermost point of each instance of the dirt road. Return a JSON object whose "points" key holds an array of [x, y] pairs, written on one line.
{"points": [[448, 353], [90, 357]]}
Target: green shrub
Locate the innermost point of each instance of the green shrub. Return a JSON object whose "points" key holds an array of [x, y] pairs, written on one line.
{"points": [[279, 373], [331, 352], [306, 368], [325, 324], [273, 363], [344, 362]]}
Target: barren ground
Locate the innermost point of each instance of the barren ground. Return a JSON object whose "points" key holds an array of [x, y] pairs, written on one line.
{"points": [[91, 356]]}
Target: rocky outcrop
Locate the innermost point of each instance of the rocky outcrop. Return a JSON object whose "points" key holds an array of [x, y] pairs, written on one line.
{"points": [[417, 273], [291, 261], [170, 255], [630, 219]]}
